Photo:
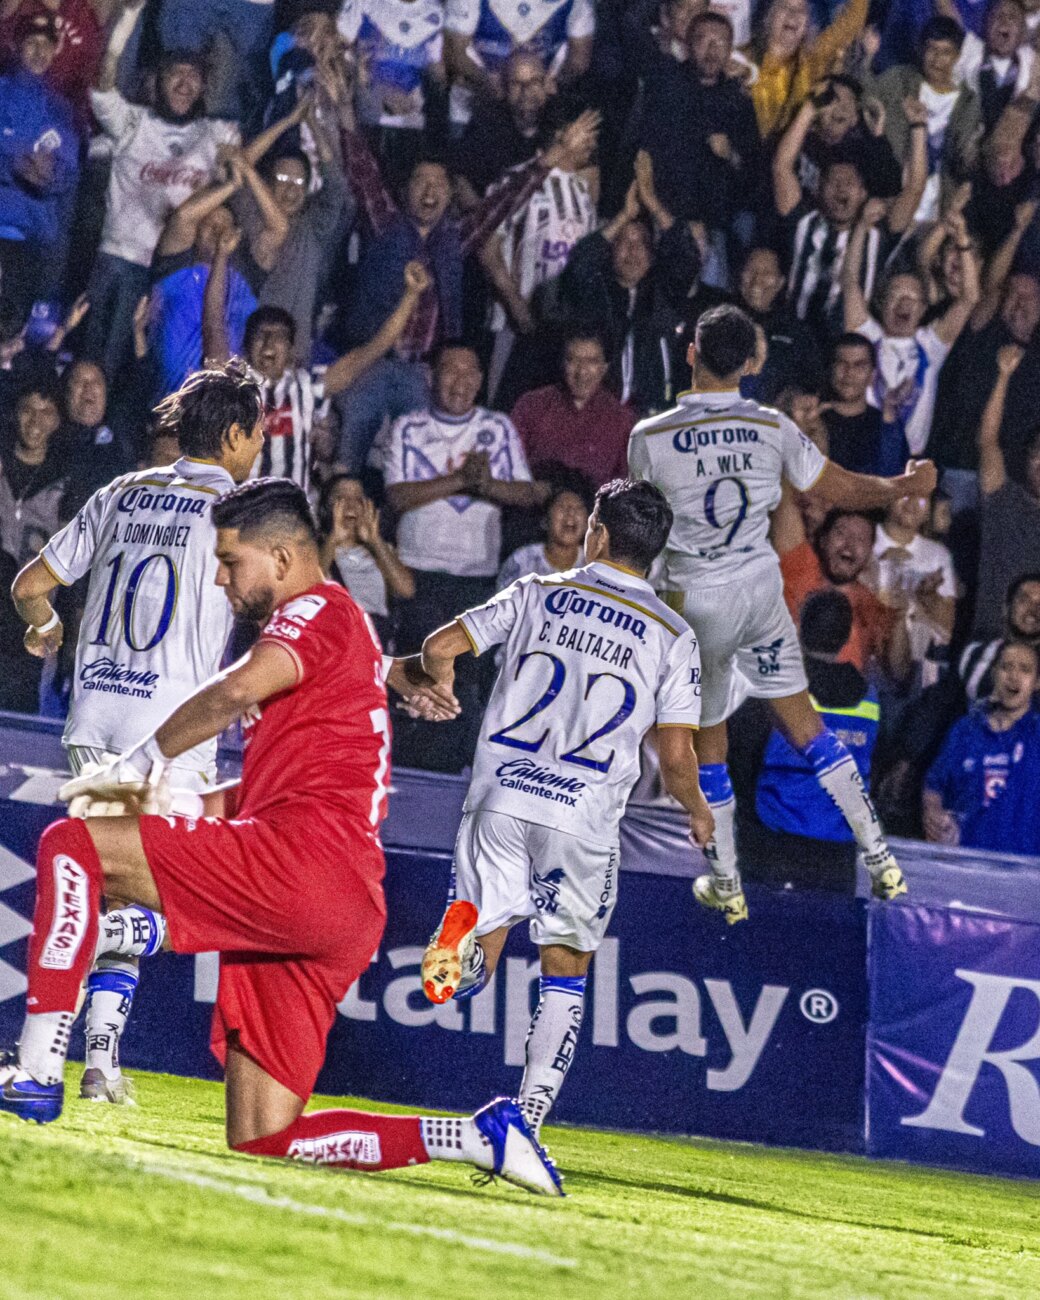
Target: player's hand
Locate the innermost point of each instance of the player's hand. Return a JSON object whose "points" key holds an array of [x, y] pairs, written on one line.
{"points": [[433, 701], [702, 824], [43, 644], [920, 479], [132, 779]]}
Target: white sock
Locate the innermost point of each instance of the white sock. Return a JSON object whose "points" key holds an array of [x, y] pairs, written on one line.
{"points": [[721, 849], [110, 991], [456, 1139], [551, 1041], [45, 1044], [835, 769], [131, 932]]}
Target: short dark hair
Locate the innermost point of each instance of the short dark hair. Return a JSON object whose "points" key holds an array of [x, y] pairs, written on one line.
{"points": [[708, 16], [1016, 585], [269, 314], [850, 339], [724, 339], [325, 520], [637, 518], [285, 154], [941, 28], [43, 384], [1020, 643], [201, 412], [837, 514], [275, 507], [175, 57], [826, 621], [584, 332]]}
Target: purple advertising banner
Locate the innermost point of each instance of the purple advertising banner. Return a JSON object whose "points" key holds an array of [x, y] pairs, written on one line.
{"points": [[953, 1040]]}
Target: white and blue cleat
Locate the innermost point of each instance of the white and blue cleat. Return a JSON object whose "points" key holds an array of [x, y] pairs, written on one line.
{"points": [[21, 1095], [518, 1156]]}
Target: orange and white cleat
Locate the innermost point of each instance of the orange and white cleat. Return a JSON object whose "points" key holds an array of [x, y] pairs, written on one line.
{"points": [[449, 952]]}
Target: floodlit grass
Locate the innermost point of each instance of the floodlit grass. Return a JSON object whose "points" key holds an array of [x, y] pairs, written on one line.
{"points": [[147, 1202]]}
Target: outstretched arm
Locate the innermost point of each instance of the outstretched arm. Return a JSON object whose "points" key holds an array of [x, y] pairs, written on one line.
{"points": [[121, 33], [903, 210], [956, 316], [787, 189], [854, 304], [182, 224], [259, 145], [215, 345], [349, 367], [992, 470], [1000, 265], [840, 487], [441, 649]]}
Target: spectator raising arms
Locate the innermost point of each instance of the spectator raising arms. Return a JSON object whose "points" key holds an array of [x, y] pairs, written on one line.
{"points": [[983, 790]]}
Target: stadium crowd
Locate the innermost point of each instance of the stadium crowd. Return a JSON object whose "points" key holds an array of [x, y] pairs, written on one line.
{"points": [[465, 245]]}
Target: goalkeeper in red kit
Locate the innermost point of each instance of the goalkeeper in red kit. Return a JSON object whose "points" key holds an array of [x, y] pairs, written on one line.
{"points": [[286, 884]]}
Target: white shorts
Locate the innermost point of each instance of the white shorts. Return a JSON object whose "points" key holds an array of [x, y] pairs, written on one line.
{"points": [[748, 640], [514, 870], [195, 779]]}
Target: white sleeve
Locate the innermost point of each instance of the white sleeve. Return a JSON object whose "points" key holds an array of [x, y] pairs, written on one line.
{"points": [[512, 467], [116, 117], [679, 694], [393, 467], [461, 16], [348, 24], [802, 459], [638, 456], [948, 586], [581, 21], [70, 552], [224, 132], [870, 329], [966, 69], [489, 625]]}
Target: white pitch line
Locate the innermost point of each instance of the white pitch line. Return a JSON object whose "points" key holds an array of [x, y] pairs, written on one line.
{"points": [[259, 1195]]}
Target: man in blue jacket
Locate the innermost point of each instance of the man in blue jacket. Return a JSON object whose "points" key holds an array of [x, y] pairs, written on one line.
{"points": [[39, 162]]}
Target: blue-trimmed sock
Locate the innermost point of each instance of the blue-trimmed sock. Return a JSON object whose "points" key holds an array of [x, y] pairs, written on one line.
{"points": [[110, 994], [551, 1041], [131, 932], [836, 770], [721, 850]]}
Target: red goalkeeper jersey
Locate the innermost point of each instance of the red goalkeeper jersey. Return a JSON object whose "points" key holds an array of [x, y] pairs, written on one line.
{"points": [[319, 755]]}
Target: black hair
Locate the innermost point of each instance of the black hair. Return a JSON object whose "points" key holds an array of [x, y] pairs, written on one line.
{"points": [[725, 340], [269, 314], [172, 58], [430, 156], [1016, 585], [637, 518], [837, 514], [201, 412], [850, 339], [454, 345], [325, 521], [1019, 643], [584, 332], [844, 158], [43, 384], [708, 16], [941, 28], [272, 506], [826, 621], [285, 154]]}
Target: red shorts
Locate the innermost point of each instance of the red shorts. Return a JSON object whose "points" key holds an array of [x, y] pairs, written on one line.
{"points": [[293, 929]]}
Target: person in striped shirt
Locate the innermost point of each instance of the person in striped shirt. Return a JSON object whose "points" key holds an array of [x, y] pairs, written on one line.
{"points": [[294, 395]]}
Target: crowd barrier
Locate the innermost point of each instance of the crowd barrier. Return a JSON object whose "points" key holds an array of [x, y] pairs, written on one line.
{"points": [[909, 1031]]}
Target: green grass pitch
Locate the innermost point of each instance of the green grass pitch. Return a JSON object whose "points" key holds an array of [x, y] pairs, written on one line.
{"points": [[147, 1202]]}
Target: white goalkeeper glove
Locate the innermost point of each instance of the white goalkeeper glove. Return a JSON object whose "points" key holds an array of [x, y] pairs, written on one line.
{"points": [[131, 784]]}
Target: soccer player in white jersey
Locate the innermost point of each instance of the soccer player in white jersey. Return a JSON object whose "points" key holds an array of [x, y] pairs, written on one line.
{"points": [[154, 629], [592, 660], [719, 460]]}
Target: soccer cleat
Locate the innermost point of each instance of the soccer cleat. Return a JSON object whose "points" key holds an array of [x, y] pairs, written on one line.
{"points": [[94, 1086], [518, 1157], [448, 952], [21, 1095], [888, 884], [732, 906]]}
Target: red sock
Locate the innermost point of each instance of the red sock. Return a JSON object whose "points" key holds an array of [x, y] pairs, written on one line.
{"points": [[350, 1139], [65, 922]]}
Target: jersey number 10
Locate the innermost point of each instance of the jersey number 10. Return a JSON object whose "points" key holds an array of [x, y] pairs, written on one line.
{"points": [[137, 573]]}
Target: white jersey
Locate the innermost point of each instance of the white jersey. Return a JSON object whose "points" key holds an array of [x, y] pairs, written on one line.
{"points": [[592, 659], [156, 624], [719, 460]]}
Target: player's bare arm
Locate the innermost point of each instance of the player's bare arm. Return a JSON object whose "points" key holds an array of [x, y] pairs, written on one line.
{"points": [[441, 649], [679, 771], [840, 487], [31, 595]]}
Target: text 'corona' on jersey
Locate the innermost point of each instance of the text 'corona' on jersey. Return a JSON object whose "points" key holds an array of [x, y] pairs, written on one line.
{"points": [[569, 601], [692, 439], [139, 498]]}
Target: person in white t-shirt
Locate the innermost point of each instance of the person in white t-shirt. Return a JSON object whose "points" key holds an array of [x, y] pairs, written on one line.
{"points": [[592, 661], [909, 355], [449, 471], [915, 574], [566, 518]]}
